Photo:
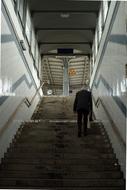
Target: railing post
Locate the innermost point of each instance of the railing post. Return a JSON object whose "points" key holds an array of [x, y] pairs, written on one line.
{"points": [[65, 78]]}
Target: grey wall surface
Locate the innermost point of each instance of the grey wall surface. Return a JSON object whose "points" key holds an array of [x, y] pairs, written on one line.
{"points": [[109, 81], [18, 78]]}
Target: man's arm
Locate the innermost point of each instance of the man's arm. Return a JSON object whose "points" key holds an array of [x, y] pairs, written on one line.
{"points": [[91, 104], [75, 103], [91, 108]]}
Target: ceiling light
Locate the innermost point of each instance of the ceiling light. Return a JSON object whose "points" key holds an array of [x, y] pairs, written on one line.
{"points": [[65, 15]]}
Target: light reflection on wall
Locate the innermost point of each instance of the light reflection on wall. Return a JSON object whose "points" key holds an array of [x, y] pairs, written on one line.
{"points": [[117, 89], [6, 87], [120, 88], [124, 86]]}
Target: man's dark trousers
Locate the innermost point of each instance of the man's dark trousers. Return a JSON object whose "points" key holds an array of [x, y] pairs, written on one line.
{"points": [[82, 114]]}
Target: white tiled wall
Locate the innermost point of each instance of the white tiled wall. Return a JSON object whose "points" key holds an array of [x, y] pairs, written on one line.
{"points": [[16, 70], [112, 68]]}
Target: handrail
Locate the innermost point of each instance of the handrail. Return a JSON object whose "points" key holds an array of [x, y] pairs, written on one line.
{"points": [[97, 102], [29, 102], [24, 100], [11, 117]]}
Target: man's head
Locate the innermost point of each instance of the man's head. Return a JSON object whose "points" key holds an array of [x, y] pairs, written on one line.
{"points": [[85, 87]]}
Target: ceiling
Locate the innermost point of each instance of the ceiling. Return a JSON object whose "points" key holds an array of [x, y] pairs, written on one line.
{"points": [[64, 24]]}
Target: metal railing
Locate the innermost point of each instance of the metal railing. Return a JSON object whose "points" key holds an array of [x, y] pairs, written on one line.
{"points": [[29, 102], [24, 100]]}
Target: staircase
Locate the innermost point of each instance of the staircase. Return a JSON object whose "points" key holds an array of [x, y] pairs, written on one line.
{"points": [[47, 154]]}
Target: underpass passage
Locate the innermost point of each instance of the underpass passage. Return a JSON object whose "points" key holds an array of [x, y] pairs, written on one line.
{"points": [[47, 154]]}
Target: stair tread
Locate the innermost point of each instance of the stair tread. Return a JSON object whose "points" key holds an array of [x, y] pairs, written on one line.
{"points": [[52, 175], [61, 150], [47, 155], [64, 161], [64, 182], [60, 167]]}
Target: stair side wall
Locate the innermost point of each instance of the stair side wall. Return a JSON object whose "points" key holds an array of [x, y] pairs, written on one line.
{"points": [[18, 77], [109, 83]]}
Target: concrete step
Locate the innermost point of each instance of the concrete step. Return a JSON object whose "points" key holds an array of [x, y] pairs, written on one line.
{"points": [[61, 149], [55, 127], [70, 188], [46, 116], [62, 135], [65, 144], [87, 153], [68, 141], [91, 188], [65, 133], [57, 124], [58, 131], [59, 155], [50, 144], [73, 161], [53, 175], [60, 167], [53, 183], [61, 138], [50, 124], [59, 128]]}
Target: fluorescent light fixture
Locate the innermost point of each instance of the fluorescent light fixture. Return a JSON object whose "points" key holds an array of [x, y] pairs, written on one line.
{"points": [[49, 92], [64, 15]]}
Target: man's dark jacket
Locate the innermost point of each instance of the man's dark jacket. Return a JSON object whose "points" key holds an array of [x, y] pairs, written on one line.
{"points": [[83, 101]]}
